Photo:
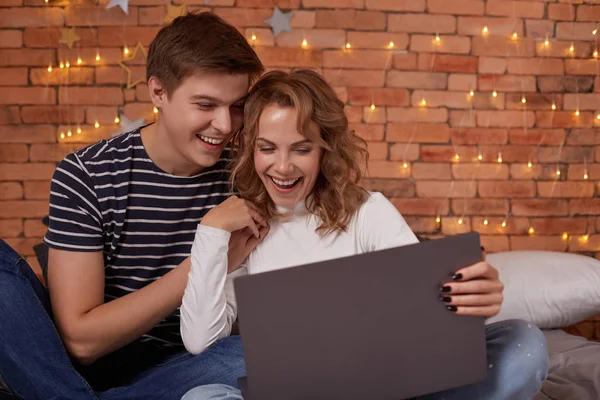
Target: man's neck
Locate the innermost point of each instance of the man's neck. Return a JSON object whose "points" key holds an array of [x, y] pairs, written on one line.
{"points": [[161, 151]]}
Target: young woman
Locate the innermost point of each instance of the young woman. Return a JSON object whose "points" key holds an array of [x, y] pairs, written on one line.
{"points": [[297, 168]]}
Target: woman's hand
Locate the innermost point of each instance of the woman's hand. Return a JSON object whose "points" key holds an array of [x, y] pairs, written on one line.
{"points": [[235, 214], [474, 290]]}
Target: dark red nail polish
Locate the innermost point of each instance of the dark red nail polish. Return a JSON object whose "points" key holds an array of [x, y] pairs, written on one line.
{"points": [[445, 289], [446, 299], [457, 277], [452, 308]]}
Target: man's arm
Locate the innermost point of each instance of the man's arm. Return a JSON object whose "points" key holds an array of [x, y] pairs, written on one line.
{"points": [[91, 328]]}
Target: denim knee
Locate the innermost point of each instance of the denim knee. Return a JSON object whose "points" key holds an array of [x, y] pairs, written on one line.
{"points": [[213, 392], [9, 258]]}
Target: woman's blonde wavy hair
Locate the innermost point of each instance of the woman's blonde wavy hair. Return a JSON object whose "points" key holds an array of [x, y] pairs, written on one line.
{"points": [[336, 195]]}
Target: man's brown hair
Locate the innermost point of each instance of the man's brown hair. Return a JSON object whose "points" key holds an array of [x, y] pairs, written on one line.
{"points": [[337, 194], [199, 42]]}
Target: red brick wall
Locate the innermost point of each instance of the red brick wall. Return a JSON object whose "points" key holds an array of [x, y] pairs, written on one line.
{"points": [[424, 115]]}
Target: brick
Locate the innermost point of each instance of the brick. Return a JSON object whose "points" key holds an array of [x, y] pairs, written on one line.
{"points": [[13, 76], [341, 93], [494, 243], [34, 228], [357, 59], [89, 133], [539, 29], [421, 23], [563, 49], [510, 153], [473, 26], [354, 114], [377, 150], [584, 206], [338, 77], [566, 189], [404, 152], [85, 14], [103, 115], [575, 30], [452, 226], [480, 171], [507, 189], [11, 38], [37, 190], [564, 119], [151, 15], [106, 74], [568, 154], [582, 67], [441, 99], [10, 191], [135, 111], [587, 13], [463, 82], [445, 189], [542, 137], [333, 3], [431, 207], [422, 224], [480, 206], [20, 17], [391, 188], [502, 47], [267, 3], [577, 171], [29, 171], [92, 96], [11, 227], [417, 80], [507, 83], [538, 172], [514, 226], [422, 114], [514, 8], [546, 243], [579, 243], [28, 95], [558, 226], [492, 65], [289, 57], [65, 76], [508, 119], [417, 132], [316, 38], [24, 246], [351, 19], [51, 152], [561, 12], [446, 44], [27, 134], [9, 115], [405, 62], [396, 5], [539, 207], [26, 57], [387, 169], [446, 63], [376, 116], [378, 96], [457, 7], [439, 153], [13, 153], [377, 40], [23, 209], [478, 136], [536, 66], [431, 171], [371, 132], [303, 19], [49, 37], [462, 119], [583, 136], [109, 35], [533, 101]]}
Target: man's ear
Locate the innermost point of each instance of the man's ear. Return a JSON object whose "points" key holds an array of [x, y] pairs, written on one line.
{"points": [[158, 94]]}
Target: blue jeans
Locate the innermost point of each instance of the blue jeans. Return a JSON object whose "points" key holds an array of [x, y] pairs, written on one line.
{"points": [[517, 365], [35, 364]]}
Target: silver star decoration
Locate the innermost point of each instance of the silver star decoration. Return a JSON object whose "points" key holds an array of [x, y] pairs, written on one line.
{"points": [[124, 4], [128, 125], [279, 21]]}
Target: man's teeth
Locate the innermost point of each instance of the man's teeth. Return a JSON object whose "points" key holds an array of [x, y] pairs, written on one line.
{"points": [[210, 140], [285, 183]]}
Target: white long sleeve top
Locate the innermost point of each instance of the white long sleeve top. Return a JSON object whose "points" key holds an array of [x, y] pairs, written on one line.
{"points": [[209, 308]]}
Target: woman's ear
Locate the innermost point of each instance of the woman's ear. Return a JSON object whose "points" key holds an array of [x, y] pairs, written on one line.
{"points": [[158, 94]]}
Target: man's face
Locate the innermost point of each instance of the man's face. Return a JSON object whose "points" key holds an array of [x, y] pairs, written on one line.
{"points": [[202, 115]]}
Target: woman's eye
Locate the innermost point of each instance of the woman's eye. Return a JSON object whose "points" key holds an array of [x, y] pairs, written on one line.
{"points": [[304, 150], [264, 149]]}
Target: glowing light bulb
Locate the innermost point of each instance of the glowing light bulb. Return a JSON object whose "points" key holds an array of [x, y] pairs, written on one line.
{"points": [[69, 133], [372, 107], [479, 157], [523, 100], [117, 120], [577, 112], [460, 221], [595, 53], [49, 68], [62, 135], [485, 222], [515, 35], [572, 48], [391, 45], [438, 219], [554, 106], [405, 165], [348, 45], [304, 43], [503, 224], [79, 60], [495, 94], [471, 93], [437, 38], [61, 65], [586, 237], [78, 130], [585, 175], [546, 42], [126, 50], [97, 125], [499, 157], [456, 157], [557, 172], [253, 37], [155, 110], [485, 30], [97, 56], [529, 164], [68, 64], [565, 236], [531, 230], [423, 102]]}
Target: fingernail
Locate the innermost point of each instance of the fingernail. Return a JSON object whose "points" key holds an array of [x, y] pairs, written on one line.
{"points": [[457, 277], [452, 308], [446, 299], [445, 289]]}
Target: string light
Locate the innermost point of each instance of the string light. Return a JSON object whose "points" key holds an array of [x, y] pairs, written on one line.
{"points": [[504, 224], [304, 43], [565, 236], [595, 31], [96, 125], [405, 165], [61, 65], [117, 120], [479, 156], [577, 112], [49, 68], [456, 157], [348, 45], [495, 94], [460, 221], [62, 135], [499, 157], [515, 36], [68, 64], [253, 37], [529, 164], [485, 222], [572, 48], [471, 93], [585, 174], [553, 106], [485, 30], [523, 100], [546, 42], [558, 172], [531, 230], [438, 219], [586, 237], [97, 56], [598, 116], [596, 53], [155, 110], [423, 102], [46, 1], [373, 107], [437, 38], [126, 50], [79, 60], [69, 133]]}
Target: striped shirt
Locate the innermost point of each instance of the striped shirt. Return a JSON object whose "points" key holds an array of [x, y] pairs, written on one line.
{"points": [[111, 197]]}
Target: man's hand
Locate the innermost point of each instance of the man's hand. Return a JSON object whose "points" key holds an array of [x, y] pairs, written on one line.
{"points": [[235, 214], [241, 244], [474, 290]]}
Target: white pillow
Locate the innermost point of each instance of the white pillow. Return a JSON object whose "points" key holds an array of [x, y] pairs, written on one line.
{"points": [[548, 289]]}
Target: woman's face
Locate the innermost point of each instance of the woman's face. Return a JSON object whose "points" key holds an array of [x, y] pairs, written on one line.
{"points": [[285, 160]]}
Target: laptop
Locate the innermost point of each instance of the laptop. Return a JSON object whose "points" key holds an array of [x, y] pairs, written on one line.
{"points": [[369, 326]]}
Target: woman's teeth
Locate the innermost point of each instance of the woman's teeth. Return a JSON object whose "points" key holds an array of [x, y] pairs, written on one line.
{"points": [[285, 183], [210, 140]]}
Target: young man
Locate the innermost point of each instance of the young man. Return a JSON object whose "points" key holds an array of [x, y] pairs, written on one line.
{"points": [[123, 214]]}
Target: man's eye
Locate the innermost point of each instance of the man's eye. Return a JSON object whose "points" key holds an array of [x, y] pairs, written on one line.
{"points": [[205, 106]]}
